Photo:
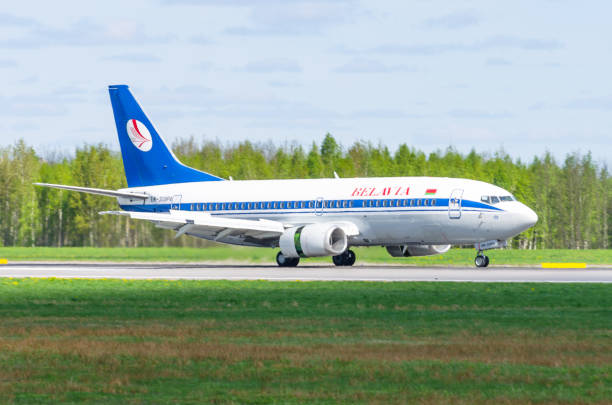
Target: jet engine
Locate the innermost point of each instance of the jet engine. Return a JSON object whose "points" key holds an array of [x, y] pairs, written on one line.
{"points": [[417, 250], [313, 240]]}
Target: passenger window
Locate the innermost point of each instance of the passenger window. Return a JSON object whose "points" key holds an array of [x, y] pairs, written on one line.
{"points": [[433, 202], [412, 203], [350, 204], [494, 199], [384, 203], [378, 203], [344, 204], [418, 203], [425, 202]]}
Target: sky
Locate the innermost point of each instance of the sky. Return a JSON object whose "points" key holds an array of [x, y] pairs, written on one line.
{"points": [[522, 76]]}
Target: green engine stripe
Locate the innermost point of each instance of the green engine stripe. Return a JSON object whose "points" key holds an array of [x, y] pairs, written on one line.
{"points": [[297, 242]]}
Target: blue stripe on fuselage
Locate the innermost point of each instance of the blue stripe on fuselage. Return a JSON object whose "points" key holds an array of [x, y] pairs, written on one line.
{"points": [[439, 203]]}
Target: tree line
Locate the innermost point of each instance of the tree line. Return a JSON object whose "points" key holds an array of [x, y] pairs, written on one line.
{"points": [[572, 198]]}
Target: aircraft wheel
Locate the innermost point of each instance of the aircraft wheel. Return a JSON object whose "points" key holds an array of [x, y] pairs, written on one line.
{"points": [[486, 261], [481, 261], [345, 259], [284, 261], [351, 257]]}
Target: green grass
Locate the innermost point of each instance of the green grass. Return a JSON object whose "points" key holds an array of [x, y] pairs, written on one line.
{"points": [[156, 342], [455, 257]]}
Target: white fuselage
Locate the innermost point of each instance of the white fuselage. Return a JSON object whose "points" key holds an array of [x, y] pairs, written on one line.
{"points": [[386, 211]]}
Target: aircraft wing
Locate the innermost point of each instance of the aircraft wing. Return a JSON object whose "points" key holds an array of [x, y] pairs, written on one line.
{"points": [[228, 230]]}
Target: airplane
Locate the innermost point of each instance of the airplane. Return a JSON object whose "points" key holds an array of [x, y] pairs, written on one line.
{"points": [[409, 216]]}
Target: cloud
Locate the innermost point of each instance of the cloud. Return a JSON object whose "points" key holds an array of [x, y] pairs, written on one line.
{"points": [[383, 114], [84, 32], [454, 20], [205, 66], [245, 3], [284, 83], [592, 103], [272, 66], [134, 57], [7, 63], [496, 42], [13, 20], [299, 18], [200, 40], [371, 66], [498, 62], [477, 114]]}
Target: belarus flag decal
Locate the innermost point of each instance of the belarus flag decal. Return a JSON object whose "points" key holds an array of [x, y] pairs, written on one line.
{"points": [[139, 135], [431, 191]]}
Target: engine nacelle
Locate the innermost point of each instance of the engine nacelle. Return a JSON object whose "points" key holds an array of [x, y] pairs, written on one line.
{"points": [[417, 250], [313, 240]]}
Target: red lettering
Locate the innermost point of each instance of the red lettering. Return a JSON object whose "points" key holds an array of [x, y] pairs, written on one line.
{"points": [[356, 192], [386, 191], [365, 190], [407, 190], [397, 192], [372, 192]]}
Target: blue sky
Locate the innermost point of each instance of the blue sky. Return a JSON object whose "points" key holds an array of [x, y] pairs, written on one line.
{"points": [[524, 76]]}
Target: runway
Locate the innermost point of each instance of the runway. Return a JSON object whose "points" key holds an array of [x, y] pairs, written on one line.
{"points": [[304, 273]]}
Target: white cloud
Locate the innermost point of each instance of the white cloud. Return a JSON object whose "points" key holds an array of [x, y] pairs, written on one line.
{"points": [[454, 20], [85, 32], [372, 66], [271, 66]]}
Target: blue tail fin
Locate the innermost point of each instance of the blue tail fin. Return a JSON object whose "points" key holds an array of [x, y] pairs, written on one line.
{"points": [[147, 160]]}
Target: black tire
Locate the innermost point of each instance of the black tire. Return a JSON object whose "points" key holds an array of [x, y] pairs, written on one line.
{"points": [[480, 261], [284, 261], [338, 260], [345, 259], [350, 258], [486, 261]]}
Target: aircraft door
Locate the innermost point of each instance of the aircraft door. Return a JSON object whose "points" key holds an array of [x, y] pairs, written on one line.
{"points": [[319, 206], [176, 202], [454, 204]]}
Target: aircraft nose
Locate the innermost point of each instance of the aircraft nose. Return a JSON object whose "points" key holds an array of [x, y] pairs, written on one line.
{"points": [[531, 217], [528, 217]]}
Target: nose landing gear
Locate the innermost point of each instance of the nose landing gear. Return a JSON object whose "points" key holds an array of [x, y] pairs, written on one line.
{"points": [[482, 260], [345, 259]]}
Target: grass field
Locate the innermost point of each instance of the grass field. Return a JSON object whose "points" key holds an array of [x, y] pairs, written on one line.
{"points": [[156, 342], [455, 257]]}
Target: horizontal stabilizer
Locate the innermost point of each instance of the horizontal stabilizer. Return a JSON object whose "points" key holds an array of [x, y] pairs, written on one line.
{"points": [[98, 191]]}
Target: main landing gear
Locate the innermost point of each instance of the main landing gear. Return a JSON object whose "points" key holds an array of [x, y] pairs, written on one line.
{"points": [[284, 261], [345, 259], [481, 260]]}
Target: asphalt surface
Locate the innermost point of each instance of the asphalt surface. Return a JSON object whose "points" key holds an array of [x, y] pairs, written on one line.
{"points": [[172, 271]]}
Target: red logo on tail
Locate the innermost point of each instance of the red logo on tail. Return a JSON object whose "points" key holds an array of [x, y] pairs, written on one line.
{"points": [[139, 135]]}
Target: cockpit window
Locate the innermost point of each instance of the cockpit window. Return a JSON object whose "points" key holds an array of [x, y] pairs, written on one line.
{"points": [[494, 199], [485, 198], [506, 198]]}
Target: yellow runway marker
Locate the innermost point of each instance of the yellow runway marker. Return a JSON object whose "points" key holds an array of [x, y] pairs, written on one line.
{"points": [[3, 261], [564, 265]]}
